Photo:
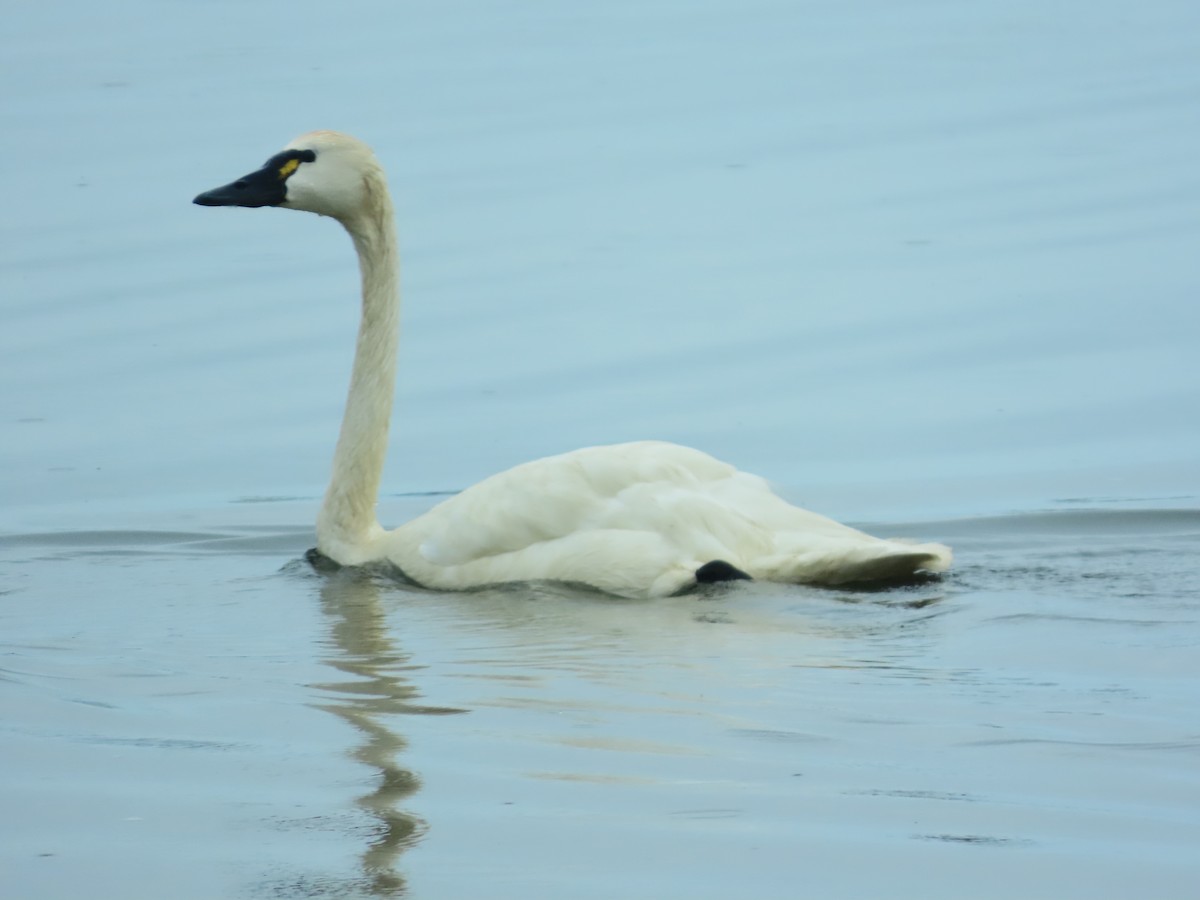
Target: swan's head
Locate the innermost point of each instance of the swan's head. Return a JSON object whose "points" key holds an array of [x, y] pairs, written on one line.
{"points": [[325, 172]]}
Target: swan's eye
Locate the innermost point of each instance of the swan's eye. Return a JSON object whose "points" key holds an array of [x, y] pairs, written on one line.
{"points": [[288, 162]]}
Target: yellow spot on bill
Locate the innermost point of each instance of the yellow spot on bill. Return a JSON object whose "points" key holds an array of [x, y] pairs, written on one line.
{"points": [[288, 168]]}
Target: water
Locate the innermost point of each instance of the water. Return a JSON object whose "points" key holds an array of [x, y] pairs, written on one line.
{"points": [[930, 268]]}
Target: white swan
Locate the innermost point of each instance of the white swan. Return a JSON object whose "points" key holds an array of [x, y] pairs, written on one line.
{"points": [[644, 519]]}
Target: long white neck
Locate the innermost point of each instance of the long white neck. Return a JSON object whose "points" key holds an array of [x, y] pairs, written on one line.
{"points": [[347, 525]]}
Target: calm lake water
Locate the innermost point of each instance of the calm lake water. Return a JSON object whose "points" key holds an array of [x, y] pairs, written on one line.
{"points": [[929, 267]]}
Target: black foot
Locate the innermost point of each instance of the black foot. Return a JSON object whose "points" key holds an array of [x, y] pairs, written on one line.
{"points": [[719, 570], [320, 561]]}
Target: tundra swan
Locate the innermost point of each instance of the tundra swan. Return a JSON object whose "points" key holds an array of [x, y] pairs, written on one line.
{"points": [[643, 519]]}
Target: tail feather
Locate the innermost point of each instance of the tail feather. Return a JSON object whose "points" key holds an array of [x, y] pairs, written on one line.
{"points": [[877, 561], [892, 566]]}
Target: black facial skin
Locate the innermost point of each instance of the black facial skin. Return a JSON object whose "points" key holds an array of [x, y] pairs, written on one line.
{"points": [[266, 187]]}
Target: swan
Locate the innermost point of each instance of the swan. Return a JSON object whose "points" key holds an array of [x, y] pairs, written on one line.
{"points": [[639, 520]]}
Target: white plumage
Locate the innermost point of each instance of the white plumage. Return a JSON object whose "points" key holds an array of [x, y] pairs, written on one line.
{"points": [[636, 520]]}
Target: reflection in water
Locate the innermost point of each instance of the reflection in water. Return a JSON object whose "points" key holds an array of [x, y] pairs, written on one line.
{"points": [[376, 691]]}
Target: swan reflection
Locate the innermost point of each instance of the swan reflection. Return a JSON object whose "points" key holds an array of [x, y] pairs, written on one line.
{"points": [[372, 689]]}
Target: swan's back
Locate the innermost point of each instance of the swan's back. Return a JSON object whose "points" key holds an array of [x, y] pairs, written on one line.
{"points": [[638, 519]]}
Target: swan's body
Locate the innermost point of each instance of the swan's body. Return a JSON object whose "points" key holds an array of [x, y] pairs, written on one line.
{"points": [[639, 519]]}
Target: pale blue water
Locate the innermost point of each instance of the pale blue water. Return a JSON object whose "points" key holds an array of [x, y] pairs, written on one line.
{"points": [[928, 267]]}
